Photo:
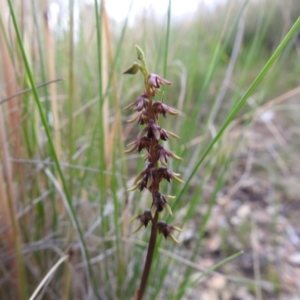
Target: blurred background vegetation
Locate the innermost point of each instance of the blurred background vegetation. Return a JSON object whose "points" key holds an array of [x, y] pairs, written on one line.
{"points": [[64, 175]]}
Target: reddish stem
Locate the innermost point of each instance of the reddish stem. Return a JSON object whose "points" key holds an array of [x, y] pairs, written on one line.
{"points": [[148, 262]]}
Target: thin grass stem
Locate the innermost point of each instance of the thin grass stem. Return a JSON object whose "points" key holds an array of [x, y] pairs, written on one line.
{"points": [[48, 275]]}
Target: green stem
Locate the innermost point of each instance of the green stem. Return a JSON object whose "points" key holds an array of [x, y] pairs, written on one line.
{"points": [[167, 40], [141, 58], [71, 91], [102, 164]]}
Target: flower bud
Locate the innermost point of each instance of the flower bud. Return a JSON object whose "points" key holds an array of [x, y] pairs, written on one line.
{"points": [[133, 69], [139, 52]]}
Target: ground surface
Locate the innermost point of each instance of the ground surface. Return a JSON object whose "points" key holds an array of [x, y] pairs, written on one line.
{"points": [[258, 211]]}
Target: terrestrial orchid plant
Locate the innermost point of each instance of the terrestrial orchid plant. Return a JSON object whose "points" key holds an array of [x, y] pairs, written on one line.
{"points": [[156, 169]]}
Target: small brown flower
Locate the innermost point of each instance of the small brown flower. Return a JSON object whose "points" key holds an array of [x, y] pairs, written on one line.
{"points": [[160, 203], [140, 103], [155, 81], [164, 134], [152, 130], [161, 108], [163, 154], [143, 118], [166, 230], [141, 143], [145, 178], [164, 173], [144, 218]]}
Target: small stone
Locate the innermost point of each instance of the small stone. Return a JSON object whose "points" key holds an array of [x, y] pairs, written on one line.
{"points": [[214, 243], [217, 282], [294, 259], [244, 211]]}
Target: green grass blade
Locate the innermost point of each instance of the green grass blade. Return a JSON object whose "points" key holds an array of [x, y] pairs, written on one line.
{"points": [[167, 40], [71, 210], [71, 92], [100, 91], [240, 104]]}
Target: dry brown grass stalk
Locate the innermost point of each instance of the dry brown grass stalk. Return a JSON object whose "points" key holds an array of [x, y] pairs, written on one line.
{"points": [[108, 135], [8, 214], [50, 53], [12, 235], [104, 78], [11, 87], [117, 128]]}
